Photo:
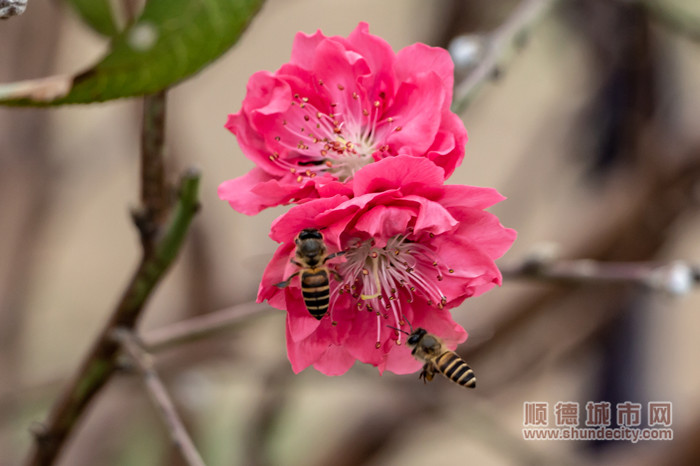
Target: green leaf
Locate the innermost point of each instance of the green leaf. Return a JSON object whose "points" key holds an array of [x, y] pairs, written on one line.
{"points": [[97, 14], [170, 41]]}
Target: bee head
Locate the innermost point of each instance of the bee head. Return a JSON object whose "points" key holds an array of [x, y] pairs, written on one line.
{"points": [[416, 336], [310, 245], [309, 233]]}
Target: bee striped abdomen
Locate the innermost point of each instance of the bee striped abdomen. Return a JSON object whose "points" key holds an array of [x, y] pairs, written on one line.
{"points": [[316, 291], [456, 369]]}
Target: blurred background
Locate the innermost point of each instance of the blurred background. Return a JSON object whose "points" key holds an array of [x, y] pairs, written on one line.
{"points": [[592, 134]]}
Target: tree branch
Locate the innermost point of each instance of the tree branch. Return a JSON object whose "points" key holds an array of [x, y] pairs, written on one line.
{"points": [[201, 326], [674, 278], [99, 364], [498, 47], [154, 194], [159, 395]]}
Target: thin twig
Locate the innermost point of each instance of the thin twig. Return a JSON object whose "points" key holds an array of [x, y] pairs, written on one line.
{"points": [[159, 395], [498, 47], [675, 278], [201, 326]]}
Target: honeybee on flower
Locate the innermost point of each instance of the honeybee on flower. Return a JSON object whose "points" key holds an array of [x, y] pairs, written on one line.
{"points": [[413, 249], [363, 139]]}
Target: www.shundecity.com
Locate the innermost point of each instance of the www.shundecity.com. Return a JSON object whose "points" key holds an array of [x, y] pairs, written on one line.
{"points": [[603, 421], [627, 434]]}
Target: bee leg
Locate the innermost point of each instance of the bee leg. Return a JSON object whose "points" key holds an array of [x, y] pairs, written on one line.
{"points": [[285, 283], [427, 373], [336, 275], [335, 254], [295, 263]]}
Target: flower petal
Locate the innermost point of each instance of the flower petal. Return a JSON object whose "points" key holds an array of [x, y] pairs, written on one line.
{"points": [[397, 172], [473, 271], [339, 70], [473, 197], [485, 230], [300, 323], [303, 353], [362, 338], [305, 46], [400, 360], [336, 220], [417, 58], [275, 272], [448, 147], [380, 59], [257, 190], [336, 360], [432, 217], [384, 222], [417, 111]]}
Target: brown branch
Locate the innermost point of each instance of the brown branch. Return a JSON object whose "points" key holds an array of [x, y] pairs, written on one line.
{"points": [[498, 47], [99, 364], [154, 194], [201, 326], [674, 278], [158, 394]]}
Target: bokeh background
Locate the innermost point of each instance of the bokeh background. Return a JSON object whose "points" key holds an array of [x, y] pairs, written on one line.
{"points": [[591, 132]]}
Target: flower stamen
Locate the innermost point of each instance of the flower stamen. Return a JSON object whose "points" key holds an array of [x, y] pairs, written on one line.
{"points": [[387, 276], [339, 143]]}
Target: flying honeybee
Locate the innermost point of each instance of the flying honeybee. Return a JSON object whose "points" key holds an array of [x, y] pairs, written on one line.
{"points": [[311, 257], [431, 350]]}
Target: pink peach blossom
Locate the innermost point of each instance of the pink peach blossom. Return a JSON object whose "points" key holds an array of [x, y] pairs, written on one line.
{"points": [[338, 105], [414, 248]]}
